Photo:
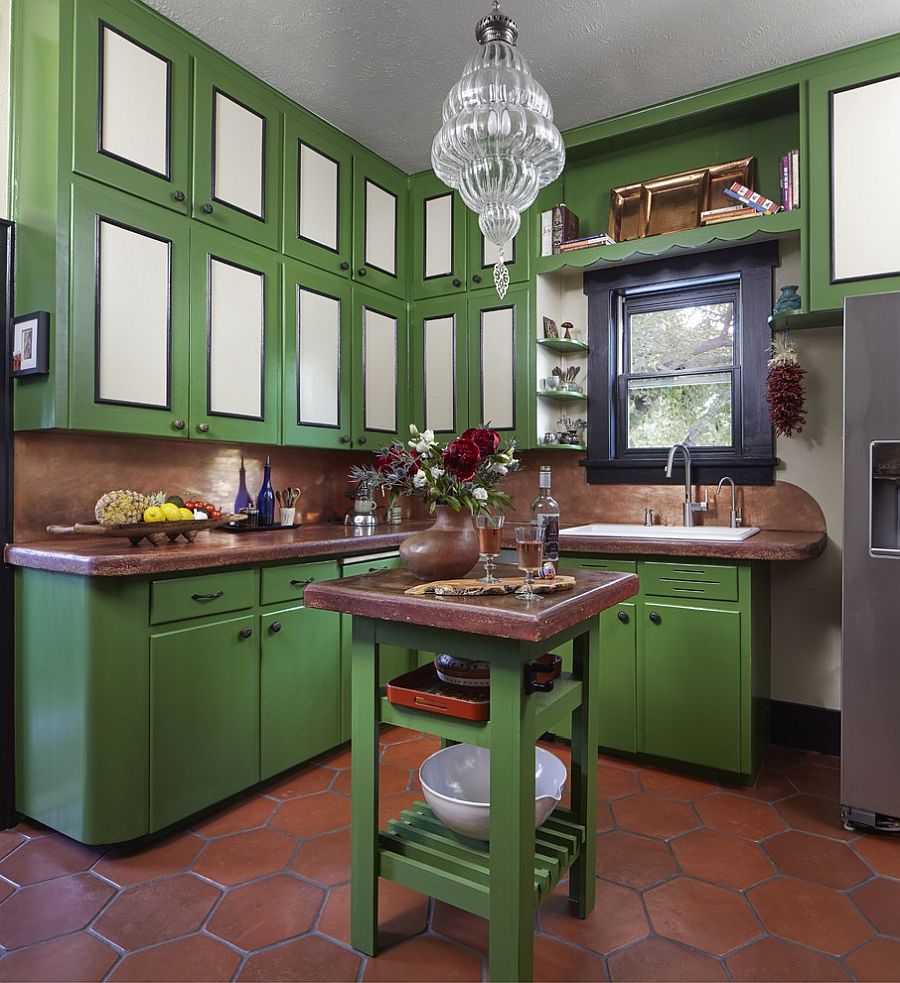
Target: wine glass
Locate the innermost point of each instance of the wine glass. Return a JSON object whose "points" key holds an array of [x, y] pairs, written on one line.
{"points": [[530, 550], [490, 529]]}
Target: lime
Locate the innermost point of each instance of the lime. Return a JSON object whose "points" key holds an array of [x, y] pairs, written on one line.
{"points": [[176, 500]]}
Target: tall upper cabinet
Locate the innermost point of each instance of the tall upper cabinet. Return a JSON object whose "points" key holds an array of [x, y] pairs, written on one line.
{"points": [[379, 224]]}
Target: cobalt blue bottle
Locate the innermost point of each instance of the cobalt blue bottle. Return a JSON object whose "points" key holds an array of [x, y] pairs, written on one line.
{"points": [[265, 500]]}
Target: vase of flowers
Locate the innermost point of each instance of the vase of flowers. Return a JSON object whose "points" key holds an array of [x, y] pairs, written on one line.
{"points": [[457, 481]]}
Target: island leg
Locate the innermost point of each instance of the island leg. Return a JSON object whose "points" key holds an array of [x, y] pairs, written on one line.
{"points": [[583, 778], [364, 788], [512, 823]]}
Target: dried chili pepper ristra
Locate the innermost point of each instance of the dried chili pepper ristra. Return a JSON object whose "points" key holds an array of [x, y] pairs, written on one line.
{"points": [[785, 390]]}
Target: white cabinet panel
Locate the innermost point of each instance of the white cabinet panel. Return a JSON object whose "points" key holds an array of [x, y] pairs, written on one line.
{"points": [[440, 373], [498, 367], [439, 236], [133, 317], [318, 197], [238, 155], [236, 340], [134, 103], [379, 371], [318, 359], [381, 228]]}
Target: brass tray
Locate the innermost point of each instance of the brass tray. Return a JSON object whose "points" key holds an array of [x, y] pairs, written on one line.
{"points": [[153, 532], [673, 203]]}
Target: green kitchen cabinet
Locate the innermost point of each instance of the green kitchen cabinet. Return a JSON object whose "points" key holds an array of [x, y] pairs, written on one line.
{"points": [[300, 686], [438, 364], [132, 104], [481, 255], [438, 234], [237, 153], [380, 224], [235, 339]]}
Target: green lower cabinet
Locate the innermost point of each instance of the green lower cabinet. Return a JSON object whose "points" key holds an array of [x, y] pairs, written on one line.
{"points": [[299, 686], [204, 716]]}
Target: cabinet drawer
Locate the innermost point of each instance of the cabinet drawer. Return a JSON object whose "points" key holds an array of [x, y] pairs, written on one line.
{"points": [[194, 597], [697, 580], [598, 563], [288, 582], [371, 564]]}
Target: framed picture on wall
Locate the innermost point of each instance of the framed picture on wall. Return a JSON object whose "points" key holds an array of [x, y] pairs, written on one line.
{"points": [[31, 341]]}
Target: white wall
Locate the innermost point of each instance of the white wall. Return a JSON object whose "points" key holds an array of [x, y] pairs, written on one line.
{"points": [[5, 11]]}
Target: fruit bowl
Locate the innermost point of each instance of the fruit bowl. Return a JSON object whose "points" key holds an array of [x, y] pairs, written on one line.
{"points": [[153, 532], [457, 780]]}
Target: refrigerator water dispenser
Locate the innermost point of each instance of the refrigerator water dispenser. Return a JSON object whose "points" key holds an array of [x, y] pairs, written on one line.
{"points": [[884, 498]]}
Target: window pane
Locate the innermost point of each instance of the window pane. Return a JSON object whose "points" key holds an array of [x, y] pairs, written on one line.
{"points": [[694, 410], [680, 338]]}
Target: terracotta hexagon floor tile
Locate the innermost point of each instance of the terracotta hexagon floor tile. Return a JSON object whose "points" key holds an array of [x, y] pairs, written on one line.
{"points": [[654, 815], [266, 911], [675, 786], [614, 783], [809, 914], [47, 857], [460, 926], [722, 858], [390, 779], [390, 806], [9, 840], [401, 913], [6, 889], [605, 819], [174, 854], [814, 814], [31, 829], [784, 758], [817, 859], [879, 901], [43, 911], [70, 958], [770, 786], [881, 852], [238, 858], [775, 959], [876, 961], [617, 919], [313, 814], [246, 813], [325, 859], [301, 781], [424, 958], [338, 758], [660, 959], [633, 860], [196, 958], [157, 911], [816, 780], [556, 961], [397, 735], [738, 814], [309, 958], [410, 754]]}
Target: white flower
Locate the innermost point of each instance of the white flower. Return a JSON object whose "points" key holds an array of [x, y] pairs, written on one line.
{"points": [[500, 468], [425, 441], [437, 473], [413, 429], [480, 494], [419, 479]]}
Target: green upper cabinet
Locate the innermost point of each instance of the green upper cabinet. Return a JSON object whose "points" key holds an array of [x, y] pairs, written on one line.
{"points": [[318, 196], [501, 367], [438, 236], [235, 339], [380, 224], [482, 255], [130, 312], [379, 364], [317, 357], [438, 364], [237, 153], [131, 102]]}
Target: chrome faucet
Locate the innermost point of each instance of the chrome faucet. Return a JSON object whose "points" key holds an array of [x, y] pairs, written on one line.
{"points": [[690, 506], [735, 517]]}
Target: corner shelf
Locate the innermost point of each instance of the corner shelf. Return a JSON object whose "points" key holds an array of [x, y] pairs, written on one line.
{"points": [[562, 397], [830, 318], [561, 447], [564, 346]]}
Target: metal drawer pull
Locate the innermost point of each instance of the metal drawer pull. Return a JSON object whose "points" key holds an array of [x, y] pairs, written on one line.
{"points": [[623, 617], [302, 583], [275, 627], [655, 618], [245, 632], [208, 597]]}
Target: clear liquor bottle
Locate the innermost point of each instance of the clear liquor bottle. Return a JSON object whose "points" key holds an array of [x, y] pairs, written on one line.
{"points": [[545, 517]]}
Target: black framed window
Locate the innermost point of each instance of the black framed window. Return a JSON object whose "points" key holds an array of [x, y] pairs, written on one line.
{"points": [[678, 355]]}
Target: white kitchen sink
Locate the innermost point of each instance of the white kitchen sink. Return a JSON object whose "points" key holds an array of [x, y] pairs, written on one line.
{"points": [[624, 530]]}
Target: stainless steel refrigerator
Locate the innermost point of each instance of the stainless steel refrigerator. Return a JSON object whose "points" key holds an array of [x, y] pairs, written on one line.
{"points": [[870, 663]]}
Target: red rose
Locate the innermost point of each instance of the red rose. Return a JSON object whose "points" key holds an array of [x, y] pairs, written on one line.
{"points": [[461, 458], [487, 441], [392, 457]]}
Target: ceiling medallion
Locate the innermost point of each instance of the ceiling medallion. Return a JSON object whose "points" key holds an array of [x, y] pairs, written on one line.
{"points": [[498, 146]]}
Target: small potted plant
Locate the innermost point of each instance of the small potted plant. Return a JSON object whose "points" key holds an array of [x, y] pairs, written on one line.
{"points": [[457, 480]]}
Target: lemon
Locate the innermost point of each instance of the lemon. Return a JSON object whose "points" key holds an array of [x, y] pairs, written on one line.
{"points": [[170, 512], [154, 513], [185, 514]]}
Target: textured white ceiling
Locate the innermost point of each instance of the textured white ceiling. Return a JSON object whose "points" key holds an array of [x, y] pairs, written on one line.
{"points": [[379, 69]]}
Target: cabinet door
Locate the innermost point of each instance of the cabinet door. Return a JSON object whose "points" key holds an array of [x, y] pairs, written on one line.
{"points": [[438, 365], [317, 376], [379, 369], [318, 197], [299, 687], [131, 103], [237, 154], [482, 255], [130, 310], [500, 362], [235, 340], [439, 224], [204, 716], [379, 224], [689, 683]]}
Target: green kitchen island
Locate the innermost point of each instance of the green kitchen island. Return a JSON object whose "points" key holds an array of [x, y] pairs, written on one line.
{"points": [[506, 879]]}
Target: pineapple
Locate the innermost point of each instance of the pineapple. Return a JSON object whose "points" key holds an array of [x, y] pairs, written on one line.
{"points": [[120, 507], [156, 498]]}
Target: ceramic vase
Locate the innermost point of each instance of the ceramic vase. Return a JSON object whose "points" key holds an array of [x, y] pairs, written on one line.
{"points": [[446, 551], [788, 301]]}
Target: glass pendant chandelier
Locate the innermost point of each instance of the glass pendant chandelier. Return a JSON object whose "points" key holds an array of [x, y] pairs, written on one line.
{"points": [[497, 146]]}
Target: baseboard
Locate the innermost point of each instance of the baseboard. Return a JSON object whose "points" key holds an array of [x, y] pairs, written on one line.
{"points": [[810, 728]]}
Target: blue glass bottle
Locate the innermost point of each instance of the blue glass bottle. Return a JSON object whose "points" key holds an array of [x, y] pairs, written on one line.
{"points": [[265, 500], [242, 499]]}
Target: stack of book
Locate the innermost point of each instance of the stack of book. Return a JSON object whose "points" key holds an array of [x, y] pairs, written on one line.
{"points": [[600, 239], [727, 214], [752, 199], [790, 180], [558, 225]]}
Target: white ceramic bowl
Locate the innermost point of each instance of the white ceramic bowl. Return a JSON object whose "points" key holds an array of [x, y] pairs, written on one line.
{"points": [[456, 781]]}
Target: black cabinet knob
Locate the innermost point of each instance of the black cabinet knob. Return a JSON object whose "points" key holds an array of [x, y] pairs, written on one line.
{"points": [[275, 627], [623, 617], [345, 265], [178, 424], [207, 209], [655, 618], [245, 632], [362, 271], [457, 282], [476, 278], [203, 428], [362, 440], [178, 195], [345, 438]]}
